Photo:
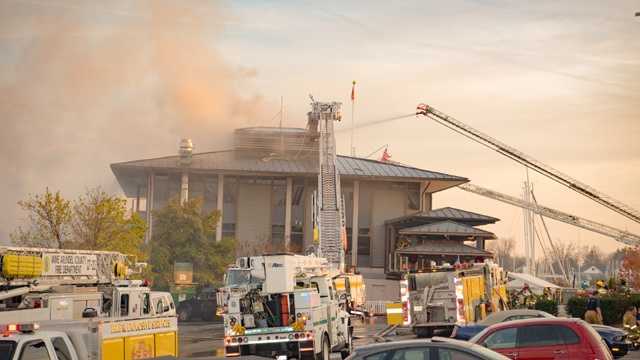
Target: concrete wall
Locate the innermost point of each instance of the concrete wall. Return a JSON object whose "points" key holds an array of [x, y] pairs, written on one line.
{"points": [[253, 212], [386, 204]]}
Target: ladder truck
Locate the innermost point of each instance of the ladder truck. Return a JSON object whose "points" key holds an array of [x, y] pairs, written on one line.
{"points": [[84, 300], [290, 305], [528, 161]]}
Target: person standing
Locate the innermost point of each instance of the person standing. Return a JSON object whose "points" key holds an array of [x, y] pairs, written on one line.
{"points": [[593, 315]]}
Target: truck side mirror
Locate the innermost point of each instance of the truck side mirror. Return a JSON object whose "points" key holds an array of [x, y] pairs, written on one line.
{"points": [[89, 313]]}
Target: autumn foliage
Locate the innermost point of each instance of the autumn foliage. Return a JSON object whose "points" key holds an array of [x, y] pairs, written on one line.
{"points": [[630, 268]]}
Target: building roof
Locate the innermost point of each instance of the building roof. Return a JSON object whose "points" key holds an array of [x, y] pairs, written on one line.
{"points": [[444, 247], [442, 214], [449, 228], [233, 162]]}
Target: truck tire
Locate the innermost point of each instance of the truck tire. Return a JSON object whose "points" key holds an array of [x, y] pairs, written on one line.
{"points": [[424, 332], [325, 350]]}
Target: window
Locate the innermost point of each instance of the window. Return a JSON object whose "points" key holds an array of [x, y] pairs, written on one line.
{"points": [[519, 317], [145, 304], [402, 354], [501, 339], [61, 348], [159, 307], [124, 305], [413, 196], [539, 335], [569, 336], [35, 350], [449, 354], [6, 349]]}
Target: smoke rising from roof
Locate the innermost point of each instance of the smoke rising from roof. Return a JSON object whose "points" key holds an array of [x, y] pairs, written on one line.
{"points": [[86, 84]]}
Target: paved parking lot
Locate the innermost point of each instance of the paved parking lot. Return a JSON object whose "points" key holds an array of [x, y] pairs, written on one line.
{"points": [[203, 341]]}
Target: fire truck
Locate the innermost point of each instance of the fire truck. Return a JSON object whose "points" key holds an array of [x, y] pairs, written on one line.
{"points": [[441, 297], [284, 305], [87, 298]]}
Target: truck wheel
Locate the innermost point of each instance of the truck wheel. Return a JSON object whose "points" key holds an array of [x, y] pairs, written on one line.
{"points": [[325, 352], [184, 314], [424, 332]]}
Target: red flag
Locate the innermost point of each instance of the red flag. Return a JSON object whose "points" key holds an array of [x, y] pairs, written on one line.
{"points": [[385, 155], [353, 91]]}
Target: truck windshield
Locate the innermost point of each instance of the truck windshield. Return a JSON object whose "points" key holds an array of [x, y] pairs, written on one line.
{"points": [[7, 348], [420, 281], [237, 277]]}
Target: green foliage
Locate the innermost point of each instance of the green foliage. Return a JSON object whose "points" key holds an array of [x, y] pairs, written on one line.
{"points": [[576, 306], [49, 219], [95, 221], [183, 233], [612, 307], [100, 222], [546, 305]]}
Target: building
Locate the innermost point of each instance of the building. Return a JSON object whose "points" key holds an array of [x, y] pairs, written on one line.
{"points": [[264, 187]]}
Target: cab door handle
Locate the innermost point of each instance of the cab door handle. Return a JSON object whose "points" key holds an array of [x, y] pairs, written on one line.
{"points": [[559, 352]]}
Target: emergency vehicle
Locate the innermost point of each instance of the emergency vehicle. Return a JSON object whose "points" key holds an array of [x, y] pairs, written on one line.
{"points": [[87, 294], [284, 305], [445, 296]]}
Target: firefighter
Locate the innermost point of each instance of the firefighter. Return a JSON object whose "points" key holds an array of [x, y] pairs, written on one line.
{"points": [[629, 318], [593, 315]]}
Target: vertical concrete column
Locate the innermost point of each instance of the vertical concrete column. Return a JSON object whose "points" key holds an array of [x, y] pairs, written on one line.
{"points": [[287, 213], [480, 243], [184, 187], [354, 224], [150, 191], [220, 206]]}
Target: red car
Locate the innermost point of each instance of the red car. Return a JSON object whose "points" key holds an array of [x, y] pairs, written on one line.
{"points": [[544, 339]]}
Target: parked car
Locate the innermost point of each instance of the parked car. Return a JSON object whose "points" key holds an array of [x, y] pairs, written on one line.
{"points": [[616, 339], [544, 339], [436, 348], [200, 307], [461, 332]]}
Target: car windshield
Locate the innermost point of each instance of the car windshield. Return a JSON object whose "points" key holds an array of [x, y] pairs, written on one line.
{"points": [[236, 277], [7, 347]]}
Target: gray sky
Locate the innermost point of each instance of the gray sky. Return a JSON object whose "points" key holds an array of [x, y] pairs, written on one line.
{"points": [[87, 84]]}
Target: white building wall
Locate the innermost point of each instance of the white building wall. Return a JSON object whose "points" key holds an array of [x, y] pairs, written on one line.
{"points": [[386, 204], [253, 213]]}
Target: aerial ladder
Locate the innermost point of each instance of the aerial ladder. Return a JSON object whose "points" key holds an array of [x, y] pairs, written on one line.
{"points": [[23, 270], [622, 236], [329, 228], [528, 161]]}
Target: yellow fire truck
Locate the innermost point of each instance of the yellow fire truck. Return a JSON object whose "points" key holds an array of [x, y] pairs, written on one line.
{"points": [[448, 295]]}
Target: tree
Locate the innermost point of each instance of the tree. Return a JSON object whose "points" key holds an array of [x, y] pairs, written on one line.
{"points": [[503, 250], [593, 256], [100, 222], [630, 269], [49, 219], [183, 233]]}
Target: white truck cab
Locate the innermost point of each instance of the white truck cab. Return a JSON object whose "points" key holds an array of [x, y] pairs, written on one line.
{"points": [[16, 343]]}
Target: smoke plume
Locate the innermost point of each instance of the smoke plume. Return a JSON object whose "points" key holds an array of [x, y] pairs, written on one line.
{"points": [[86, 84]]}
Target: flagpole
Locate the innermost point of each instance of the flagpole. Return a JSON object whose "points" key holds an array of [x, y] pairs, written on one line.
{"points": [[353, 121]]}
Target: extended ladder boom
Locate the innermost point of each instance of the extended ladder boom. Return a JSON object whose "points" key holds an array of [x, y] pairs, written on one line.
{"points": [[21, 266], [329, 208], [529, 162], [617, 234]]}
